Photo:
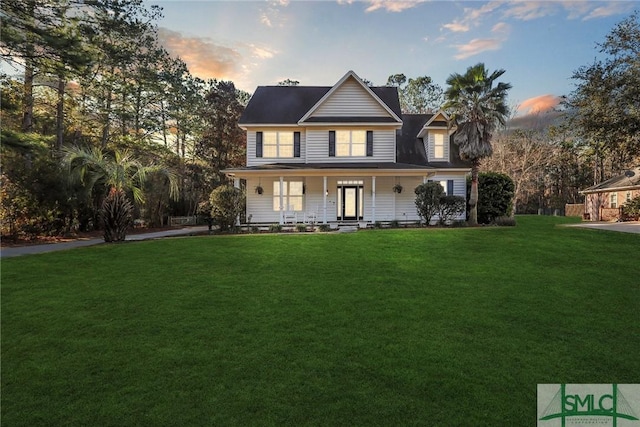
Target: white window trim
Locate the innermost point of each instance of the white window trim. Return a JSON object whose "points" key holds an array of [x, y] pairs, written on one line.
{"points": [[436, 145], [277, 144], [287, 196], [364, 144]]}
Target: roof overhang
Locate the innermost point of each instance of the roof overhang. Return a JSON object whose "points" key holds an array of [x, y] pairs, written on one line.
{"points": [[611, 190], [425, 129], [275, 171]]}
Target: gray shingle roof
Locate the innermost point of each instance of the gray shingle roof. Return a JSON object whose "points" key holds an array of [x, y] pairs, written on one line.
{"points": [[410, 148], [630, 178], [287, 104]]}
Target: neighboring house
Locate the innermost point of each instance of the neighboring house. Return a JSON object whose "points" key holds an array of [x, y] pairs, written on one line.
{"points": [[339, 154], [603, 202]]}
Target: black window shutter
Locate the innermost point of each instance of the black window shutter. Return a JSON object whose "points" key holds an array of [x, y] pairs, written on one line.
{"points": [[296, 144], [332, 143], [449, 187], [369, 143], [258, 144]]}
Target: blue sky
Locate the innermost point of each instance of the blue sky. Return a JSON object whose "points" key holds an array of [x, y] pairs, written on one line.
{"points": [[538, 43]]}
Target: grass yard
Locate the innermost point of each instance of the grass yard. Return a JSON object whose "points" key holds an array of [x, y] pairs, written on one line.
{"points": [[450, 327]]}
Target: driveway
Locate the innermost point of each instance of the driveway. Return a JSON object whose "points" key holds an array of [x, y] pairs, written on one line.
{"points": [[623, 227], [39, 249]]}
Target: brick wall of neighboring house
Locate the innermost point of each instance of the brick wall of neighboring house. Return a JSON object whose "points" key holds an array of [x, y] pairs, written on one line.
{"points": [[593, 202], [598, 205], [609, 214]]}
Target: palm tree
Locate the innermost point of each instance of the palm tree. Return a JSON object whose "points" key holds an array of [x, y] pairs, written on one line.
{"points": [[120, 172], [476, 107]]}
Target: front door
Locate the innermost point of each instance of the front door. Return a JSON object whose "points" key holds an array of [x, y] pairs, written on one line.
{"points": [[350, 201]]}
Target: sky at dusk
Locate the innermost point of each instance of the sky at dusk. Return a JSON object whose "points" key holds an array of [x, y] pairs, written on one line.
{"points": [[538, 43]]}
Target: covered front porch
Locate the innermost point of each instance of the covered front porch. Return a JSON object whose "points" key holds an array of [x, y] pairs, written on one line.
{"points": [[362, 196]]}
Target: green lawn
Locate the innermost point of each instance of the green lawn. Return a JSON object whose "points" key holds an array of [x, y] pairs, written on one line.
{"points": [[451, 327]]}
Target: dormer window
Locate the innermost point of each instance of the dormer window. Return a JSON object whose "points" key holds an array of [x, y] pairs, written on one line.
{"points": [[438, 146]]}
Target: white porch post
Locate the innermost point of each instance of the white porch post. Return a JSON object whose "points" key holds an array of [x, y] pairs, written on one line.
{"points": [[281, 200], [236, 184], [324, 199], [424, 179], [373, 199]]}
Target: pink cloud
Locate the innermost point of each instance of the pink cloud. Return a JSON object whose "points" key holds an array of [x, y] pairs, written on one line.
{"points": [[204, 58], [539, 104]]}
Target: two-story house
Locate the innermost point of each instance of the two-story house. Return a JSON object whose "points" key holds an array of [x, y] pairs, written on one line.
{"points": [[342, 154]]}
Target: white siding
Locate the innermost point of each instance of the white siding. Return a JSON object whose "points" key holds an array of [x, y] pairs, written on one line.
{"points": [[260, 206], [385, 207], [430, 145], [389, 205], [317, 146], [405, 202], [252, 160], [350, 99]]}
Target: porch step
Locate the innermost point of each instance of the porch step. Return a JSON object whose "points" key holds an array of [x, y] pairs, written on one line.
{"points": [[347, 228]]}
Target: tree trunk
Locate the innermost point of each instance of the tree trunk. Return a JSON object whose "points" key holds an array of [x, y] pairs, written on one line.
{"points": [[60, 114], [27, 93], [473, 197], [27, 96], [164, 123], [107, 121]]}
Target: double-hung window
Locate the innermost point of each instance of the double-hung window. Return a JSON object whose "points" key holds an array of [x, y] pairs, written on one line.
{"points": [[614, 200], [272, 144], [277, 144], [350, 143], [292, 194], [438, 146]]}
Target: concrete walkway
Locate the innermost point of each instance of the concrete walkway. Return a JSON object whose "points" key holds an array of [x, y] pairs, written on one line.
{"points": [[623, 227], [51, 247]]}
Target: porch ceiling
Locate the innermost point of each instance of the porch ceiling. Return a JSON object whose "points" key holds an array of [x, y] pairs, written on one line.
{"points": [[333, 169]]}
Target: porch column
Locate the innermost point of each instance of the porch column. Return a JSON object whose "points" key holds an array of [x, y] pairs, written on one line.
{"points": [[424, 179], [324, 199], [281, 200], [236, 184], [373, 199]]}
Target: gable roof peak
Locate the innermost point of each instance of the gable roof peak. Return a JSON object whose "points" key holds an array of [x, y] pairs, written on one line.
{"points": [[334, 88]]}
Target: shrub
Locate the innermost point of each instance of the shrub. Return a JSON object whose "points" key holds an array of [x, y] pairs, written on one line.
{"points": [[377, 224], [254, 229], [495, 196], [505, 221], [324, 227], [204, 213], [394, 224], [428, 200], [275, 228], [301, 228], [227, 203], [449, 207], [631, 209]]}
